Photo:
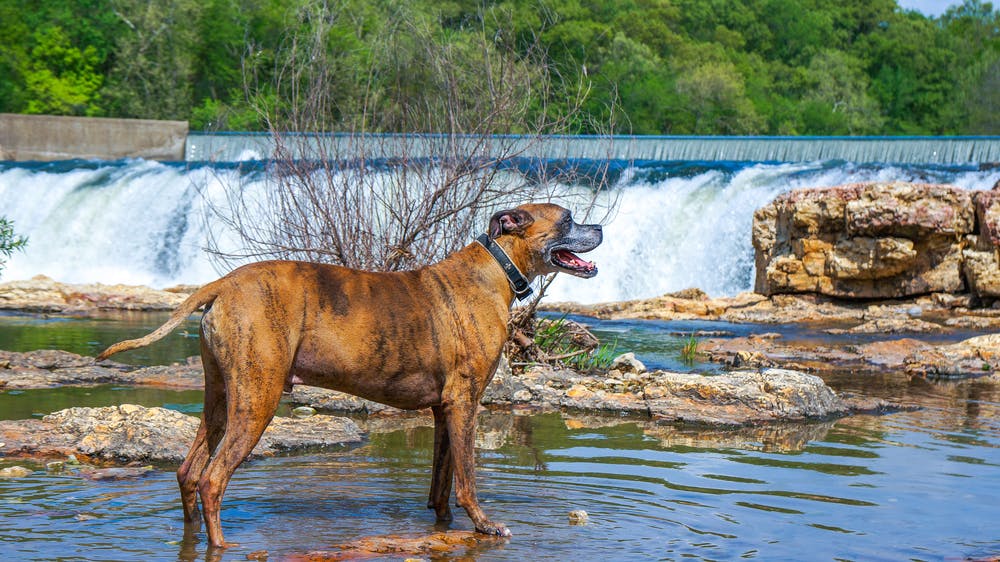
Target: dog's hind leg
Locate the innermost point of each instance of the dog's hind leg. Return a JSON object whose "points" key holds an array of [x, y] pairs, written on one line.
{"points": [[210, 431], [443, 470], [253, 390]]}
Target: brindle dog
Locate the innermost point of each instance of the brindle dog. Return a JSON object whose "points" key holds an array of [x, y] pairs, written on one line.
{"points": [[431, 337]]}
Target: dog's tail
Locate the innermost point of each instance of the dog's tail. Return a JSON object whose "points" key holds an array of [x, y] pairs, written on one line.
{"points": [[201, 297]]}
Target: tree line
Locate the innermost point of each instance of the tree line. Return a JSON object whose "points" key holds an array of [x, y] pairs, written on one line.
{"points": [[746, 67]]}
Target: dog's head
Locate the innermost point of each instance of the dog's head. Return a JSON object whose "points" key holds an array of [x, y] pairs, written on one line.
{"points": [[548, 238]]}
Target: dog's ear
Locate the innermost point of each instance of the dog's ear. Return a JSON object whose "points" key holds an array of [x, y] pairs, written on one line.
{"points": [[511, 221]]}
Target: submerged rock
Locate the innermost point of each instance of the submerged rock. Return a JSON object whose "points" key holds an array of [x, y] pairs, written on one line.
{"points": [[460, 544], [15, 472], [128, 433], [116, 473]]}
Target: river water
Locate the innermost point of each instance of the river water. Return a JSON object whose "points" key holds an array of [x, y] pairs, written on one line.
{"points": [[919, 485]]}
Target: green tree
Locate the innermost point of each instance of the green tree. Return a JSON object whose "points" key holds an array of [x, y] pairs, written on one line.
{"points": [[152, 75], [9, 241], [61, 78], [838, 102]]}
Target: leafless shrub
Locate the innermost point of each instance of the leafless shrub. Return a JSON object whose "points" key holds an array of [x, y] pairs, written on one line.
{"points": [[372, 200]]}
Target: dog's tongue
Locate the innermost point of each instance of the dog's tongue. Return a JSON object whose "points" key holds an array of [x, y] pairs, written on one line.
{"points": [[570, 258]]}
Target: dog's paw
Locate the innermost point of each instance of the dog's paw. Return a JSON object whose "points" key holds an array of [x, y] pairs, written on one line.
{"points": [[495, 529]]}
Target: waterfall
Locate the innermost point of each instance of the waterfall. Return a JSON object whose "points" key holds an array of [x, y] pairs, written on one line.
{"points": [[203, 147], [676, 225]]}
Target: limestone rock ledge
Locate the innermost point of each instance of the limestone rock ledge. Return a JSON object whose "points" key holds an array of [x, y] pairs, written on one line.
{"points": [[733, 398], [879, 240], [42, 294]]}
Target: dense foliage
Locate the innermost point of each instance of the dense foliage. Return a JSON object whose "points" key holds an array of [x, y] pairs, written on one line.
{"points": [[830, 67]]}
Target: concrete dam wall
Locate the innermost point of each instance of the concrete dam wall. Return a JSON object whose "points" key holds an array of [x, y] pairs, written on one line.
{"points": [[51, 137]]}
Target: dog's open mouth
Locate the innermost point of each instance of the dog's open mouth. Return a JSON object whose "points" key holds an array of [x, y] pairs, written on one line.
{"points": [[573, 263]]}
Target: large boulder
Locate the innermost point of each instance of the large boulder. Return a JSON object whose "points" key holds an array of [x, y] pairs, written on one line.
{"points": [[877, 240]]}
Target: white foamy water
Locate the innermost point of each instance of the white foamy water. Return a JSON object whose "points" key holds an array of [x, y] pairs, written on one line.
{"points": [[676, 226]]}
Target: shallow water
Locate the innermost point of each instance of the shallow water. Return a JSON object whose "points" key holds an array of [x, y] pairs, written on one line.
{"points": [[919, 485]]}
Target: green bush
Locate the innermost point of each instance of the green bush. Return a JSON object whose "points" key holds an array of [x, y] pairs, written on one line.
{"points": [[9, 241]]}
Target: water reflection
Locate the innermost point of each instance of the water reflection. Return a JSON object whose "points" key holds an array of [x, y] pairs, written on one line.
{"points": [[860, 487]]}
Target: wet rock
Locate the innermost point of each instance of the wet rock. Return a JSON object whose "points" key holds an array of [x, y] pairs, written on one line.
{"points": [[742, 397], [15, 472], [42, 294], [326, 400], [444, 544], [188, 375], [973, 357], [119, 473], [578, 517], [627, 363], [303, 412], [732, 398], [890, 326], [52, 368], [128, 433]]}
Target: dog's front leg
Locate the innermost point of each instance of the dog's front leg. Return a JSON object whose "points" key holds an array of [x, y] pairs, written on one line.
{"points": [[443, 469], [460, 418]]}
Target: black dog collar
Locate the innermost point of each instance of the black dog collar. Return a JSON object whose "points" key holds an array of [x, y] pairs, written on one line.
{"points": [[518, 282]]}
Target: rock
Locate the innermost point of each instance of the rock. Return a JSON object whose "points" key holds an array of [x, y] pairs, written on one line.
{"points": [[129, 433], [451, 544], [863, 241], [742, 397], [982, 270], [326, 400], [628, 363], [15, 472], [42, 294], [890, 326], [733, 398], [973, 357], [303, 412], [578, 517], [122, 473], [51, 368]]}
